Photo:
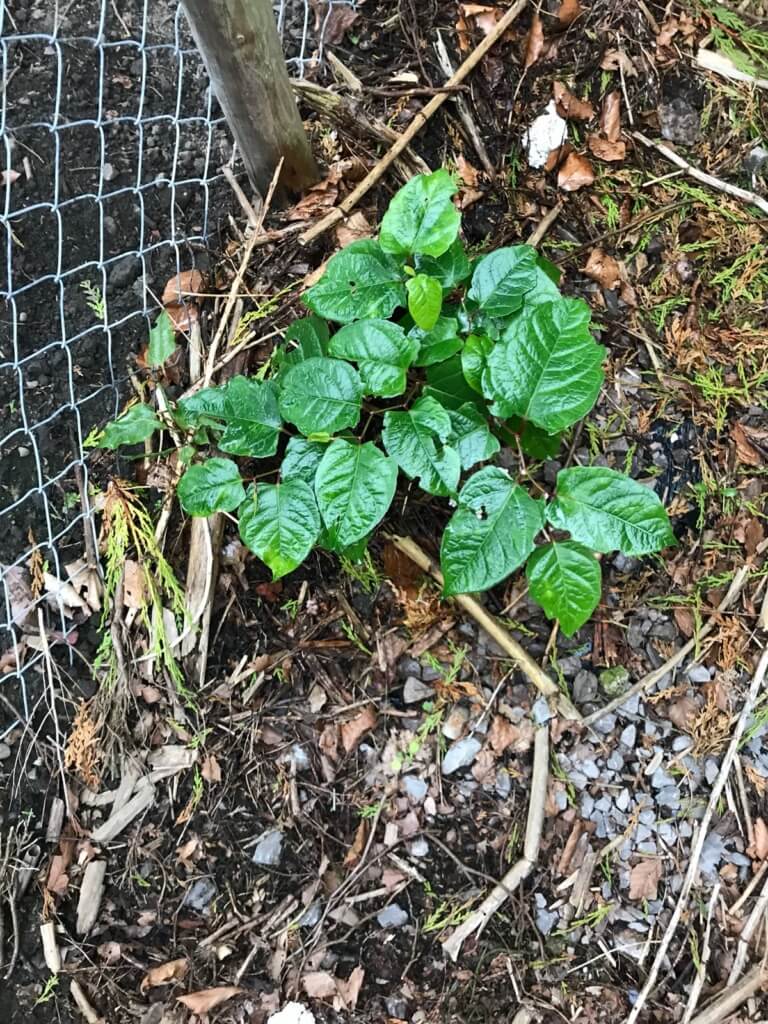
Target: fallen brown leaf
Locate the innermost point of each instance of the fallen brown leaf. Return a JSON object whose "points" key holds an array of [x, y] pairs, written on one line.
{"points": [[610, 116], [683, 713], [329, 741], [758, 849], [57, 881], [321, 197], [354, 730], [484, 18], [349, 990], [353, 228], [182, 285], [644, 880], [569, 105], [173, 970], [575, 173], [355, 852], [319, 985], [611, 152], [183, 316], [110, 952], [503, 734], [685, 621], [534, 43], [746, 452], [618, 60], [569, 12], [468, 174], [133, 584], [211, 769], [16, 581], [333, 21], [484, 768], [604, 269], [208, 998]]}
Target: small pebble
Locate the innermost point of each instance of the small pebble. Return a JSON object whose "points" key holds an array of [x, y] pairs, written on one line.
{"points": [[578, 779], [711, 770], [669, 797], [414, 691], [503, 784], [615, 761], [461, 754], [269, 849], [606, 724], [661, 779], [541, 712], [392, 916], [419, 848], [628, 736], [584, 687], [415, 788], [622, 800], [680, 743], [614, 681], [311, 915], [200, 894], [698, 674], [631, 706], [5, 751]]}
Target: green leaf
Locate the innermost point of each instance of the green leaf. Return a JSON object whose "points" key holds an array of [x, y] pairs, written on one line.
{"points": [[607, 511], [545, 285], [548, 367], [212, 486], [490, 534], [383, 353], [474, 358], [134, 426], [311, 337], [416, 440], [359, 282], [451, 269], [252, 417], [321, 395], [354, 485], [421, 217], [205, 408], [537, 442], [564, 578], [425, 297], [502, 278], [162, 340], [470, 435], [301, 459], [437, 344], [280, 524], [446, 383]]}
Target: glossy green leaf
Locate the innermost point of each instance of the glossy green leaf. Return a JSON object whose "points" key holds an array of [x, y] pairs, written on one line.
{"points": [[451, 269], [280, 524], [359, 282], [301, 459], [421, 217], [564, 578], [470, 436], [437, 344], [417, 441], [162, 340], [548, 367], [545, 284], [490, 534], [607, 511], [212, 486], [501, 279], [252, 418], [383, 352], [305, 339], [354, 485], [446, 384], [532, 439], [321, 395], [425, 299], [134, 426], [205, 408], [474, 358]]}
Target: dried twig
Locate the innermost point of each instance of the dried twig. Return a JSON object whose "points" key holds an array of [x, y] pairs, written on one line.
{"points": [[721, 64], [544, 683], [758, 913], [545, 224], [464, 112], [653, 677], [519, 871], [706, 179], [732, 998], [420, 119], [701, 966], [698, 843]]}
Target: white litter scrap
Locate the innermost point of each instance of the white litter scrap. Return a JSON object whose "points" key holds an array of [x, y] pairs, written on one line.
{"points": [[547, 133], [292, 1013]]}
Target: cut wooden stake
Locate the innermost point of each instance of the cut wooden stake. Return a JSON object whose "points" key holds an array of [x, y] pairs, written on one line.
{"points": [[698, 175], [519, 871], [418, 122], [91, 892], [534, 671], [83, 1003]]}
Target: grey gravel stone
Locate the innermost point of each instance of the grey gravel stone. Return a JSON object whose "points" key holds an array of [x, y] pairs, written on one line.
{"points": [[712, 854], [545, 919], [578, 779], [631, 706], [415, 691], [408, 667], [430, 675], [698, 673], [397, 1007], [311, 915], [606, 724], [669, 797], [455, 722], [269, 849], [415, 788], [503, 784], [615, 761], [589, 768], [419, 848], [200, 894], [622, 800], [587, 805], [584, 687], [711, 770], [661, 779], [629, 736], [461, 754], [392, 916], [124, 272], [680, 743], [541, 712], [5, 751]]}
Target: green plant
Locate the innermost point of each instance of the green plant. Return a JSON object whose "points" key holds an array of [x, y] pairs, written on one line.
{"points": [[94, 300], [433, 360]]}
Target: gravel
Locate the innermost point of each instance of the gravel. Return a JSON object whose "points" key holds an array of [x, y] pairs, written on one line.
{"points": [[392, 916], [269, 849], [461, 754], [414, 691]]}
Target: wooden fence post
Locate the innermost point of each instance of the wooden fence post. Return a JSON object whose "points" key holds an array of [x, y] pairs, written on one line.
{"points": [[239, 43]]}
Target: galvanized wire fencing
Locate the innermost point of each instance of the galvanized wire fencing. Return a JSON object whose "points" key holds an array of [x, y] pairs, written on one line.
{"points": [[110, 184]]}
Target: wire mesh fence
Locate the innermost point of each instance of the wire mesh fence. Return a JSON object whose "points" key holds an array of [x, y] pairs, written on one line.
{"points": [[110, 184]]}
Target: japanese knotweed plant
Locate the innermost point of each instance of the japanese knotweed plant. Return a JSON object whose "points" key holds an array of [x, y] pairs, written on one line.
{"points": [[420, 360]]}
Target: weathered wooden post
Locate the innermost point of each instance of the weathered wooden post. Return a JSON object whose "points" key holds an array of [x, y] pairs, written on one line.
{"points": [[239, 43]]}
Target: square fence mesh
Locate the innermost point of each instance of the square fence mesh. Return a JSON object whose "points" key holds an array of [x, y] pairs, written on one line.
{"points": [[110, 184]]}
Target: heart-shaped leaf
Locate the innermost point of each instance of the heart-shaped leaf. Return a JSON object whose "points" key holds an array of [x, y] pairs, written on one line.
{"points": [[608, 511], [490, 534], [134, 426], [548, 367], [421, 217], [416, 440], [212, 486], [321, 395], [470, 435], [564, 578], [354, 485], [451, 269], [437, 344], [252, 417], [501, 279], [425, 298], [359, 282], [383, 352], [280, 524]]}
